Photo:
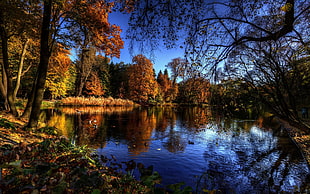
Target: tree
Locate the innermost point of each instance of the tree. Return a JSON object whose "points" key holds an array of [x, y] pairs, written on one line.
{"points": [[84, 67], [93, 86], [14, 22], [166, 87], [84, 22], [89, 28], [275, 71], [45, 53], [234, 96], [58, 81], [216, 32], [142, 85], [194, 90], [118, 79], [213, 29], [178, 67]]}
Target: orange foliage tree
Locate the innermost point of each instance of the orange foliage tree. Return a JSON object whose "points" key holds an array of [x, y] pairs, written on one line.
{"points": [[167, 89], [142, 85], [93, 86], [91, 29]]}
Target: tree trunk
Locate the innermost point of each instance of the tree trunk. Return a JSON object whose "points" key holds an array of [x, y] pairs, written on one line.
{"points": [[3, 85], [20, 68], [28, 108], [85, 68], [43, 65], [6, 67]]}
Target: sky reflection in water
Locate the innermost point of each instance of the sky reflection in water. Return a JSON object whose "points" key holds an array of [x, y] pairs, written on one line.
{"points": [[187, 145]]}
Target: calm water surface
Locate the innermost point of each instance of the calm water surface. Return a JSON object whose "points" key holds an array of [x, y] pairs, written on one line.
{"points": [[190, 145]]}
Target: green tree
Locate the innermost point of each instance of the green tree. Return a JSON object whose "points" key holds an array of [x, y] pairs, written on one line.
{"points": [[118, 80]]}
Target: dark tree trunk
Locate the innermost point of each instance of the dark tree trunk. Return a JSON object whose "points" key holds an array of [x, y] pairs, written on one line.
{"points": [[84, 68], [6, 68], [28, 108], [43, 65]]}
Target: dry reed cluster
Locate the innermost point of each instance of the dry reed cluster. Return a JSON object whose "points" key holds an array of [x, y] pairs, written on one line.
{"points": [[94, 110], [93, 101]]}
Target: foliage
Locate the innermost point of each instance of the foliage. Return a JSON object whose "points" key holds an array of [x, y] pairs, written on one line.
{"points": [[142, 85], [194, 90], [6, 124], [58, 77], [48, 130], [93, 86], [167, 88], [177, 188], [59, 167], [88, 25], [118, 80], [234, 97]]}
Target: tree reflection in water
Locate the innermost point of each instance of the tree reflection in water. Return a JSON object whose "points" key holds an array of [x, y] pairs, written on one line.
{"points": [[252, 162], [233, 156]]}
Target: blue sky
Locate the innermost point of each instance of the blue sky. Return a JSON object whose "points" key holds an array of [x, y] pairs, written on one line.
{"points": [[162, 56]]}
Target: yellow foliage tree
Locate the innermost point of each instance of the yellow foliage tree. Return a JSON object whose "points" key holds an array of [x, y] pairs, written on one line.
{"points": [[58, 76]]}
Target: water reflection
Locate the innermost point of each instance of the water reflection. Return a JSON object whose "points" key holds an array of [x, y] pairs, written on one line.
{"points": [[187, 144], [248, 162]]}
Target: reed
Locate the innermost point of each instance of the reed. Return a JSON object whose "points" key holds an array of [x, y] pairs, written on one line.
{"points": [[69, 110], [94, 101]]}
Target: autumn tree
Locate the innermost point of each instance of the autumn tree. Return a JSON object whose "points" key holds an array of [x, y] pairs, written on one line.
{"points": [[23, 53], [84, 22], [142, 84], [216, 31], [15, 23], [93, 86], [59, 77], [167, 90], [194, 90], [91, 31]]}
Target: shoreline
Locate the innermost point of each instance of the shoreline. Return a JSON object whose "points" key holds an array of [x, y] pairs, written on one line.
{"points": [[299, 137]]}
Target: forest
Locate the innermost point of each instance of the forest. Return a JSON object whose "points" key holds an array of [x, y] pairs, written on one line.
{"points": [[238, 55], [39, 39]]}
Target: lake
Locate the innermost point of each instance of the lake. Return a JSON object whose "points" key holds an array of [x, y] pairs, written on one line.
{"points": [[190, 145]]}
